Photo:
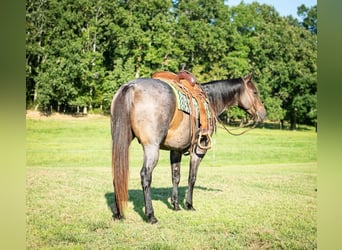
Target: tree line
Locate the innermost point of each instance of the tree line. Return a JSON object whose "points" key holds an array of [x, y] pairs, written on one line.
{"points": [[78, 53]]}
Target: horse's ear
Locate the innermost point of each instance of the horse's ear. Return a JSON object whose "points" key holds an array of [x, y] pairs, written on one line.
{"points": [[248, 77]]}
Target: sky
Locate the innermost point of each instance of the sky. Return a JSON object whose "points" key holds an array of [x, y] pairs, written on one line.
{"points": [[284, 7]]}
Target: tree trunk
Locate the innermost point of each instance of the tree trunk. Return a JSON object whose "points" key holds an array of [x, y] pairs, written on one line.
{"points": [[293, 119], [281, 124]]}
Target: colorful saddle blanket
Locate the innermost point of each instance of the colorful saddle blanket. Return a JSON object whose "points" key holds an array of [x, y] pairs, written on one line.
{"points": [[183, 103]]}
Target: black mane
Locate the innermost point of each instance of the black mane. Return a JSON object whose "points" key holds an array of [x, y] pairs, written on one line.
{"points": [[222, 93]]}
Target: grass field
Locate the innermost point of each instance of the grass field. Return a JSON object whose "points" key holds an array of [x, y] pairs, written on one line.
{"points": [[255, 191]]}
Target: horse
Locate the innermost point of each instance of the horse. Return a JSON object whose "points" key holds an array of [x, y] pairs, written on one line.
{"points": [[146, 109]]}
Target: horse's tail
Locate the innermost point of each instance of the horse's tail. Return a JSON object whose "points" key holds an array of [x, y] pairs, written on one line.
{"points": [[121, 138]]}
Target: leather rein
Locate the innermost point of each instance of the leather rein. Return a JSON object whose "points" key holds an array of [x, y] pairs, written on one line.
{"points": [[236, 134]]}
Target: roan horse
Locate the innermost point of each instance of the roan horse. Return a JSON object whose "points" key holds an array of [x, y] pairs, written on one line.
{"points": [[146, 109]]}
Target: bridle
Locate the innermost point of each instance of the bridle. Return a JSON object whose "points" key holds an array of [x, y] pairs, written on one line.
{"points": [[254, 123]]}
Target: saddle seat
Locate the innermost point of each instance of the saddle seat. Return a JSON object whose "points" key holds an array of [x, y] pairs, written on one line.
{"points": [[186, 83]]}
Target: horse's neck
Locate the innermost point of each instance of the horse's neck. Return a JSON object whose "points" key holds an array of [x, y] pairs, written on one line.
{"points": [[221, 95]]}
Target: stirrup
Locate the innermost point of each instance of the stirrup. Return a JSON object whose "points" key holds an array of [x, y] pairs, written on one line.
{"points": [[199, 140]]}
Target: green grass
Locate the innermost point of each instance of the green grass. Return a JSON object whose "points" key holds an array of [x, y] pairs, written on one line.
{"points": [[80, 142], [255, 191]]}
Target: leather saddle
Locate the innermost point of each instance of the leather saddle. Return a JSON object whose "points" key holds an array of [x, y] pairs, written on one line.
{"points": [[187, 84]]}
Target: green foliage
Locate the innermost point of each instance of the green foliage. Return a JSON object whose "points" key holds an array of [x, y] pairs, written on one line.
{"points": [[79, 53], [309, 16], [274, 110]]}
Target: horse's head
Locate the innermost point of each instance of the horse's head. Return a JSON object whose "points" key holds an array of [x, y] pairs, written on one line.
{"points": [[250, 100]]}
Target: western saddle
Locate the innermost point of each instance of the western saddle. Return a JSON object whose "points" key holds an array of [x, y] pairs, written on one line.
{"points": [[186, 83]]}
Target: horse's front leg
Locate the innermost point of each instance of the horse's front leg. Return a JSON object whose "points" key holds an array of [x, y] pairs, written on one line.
{"points": [[195, 159], [175, 159], [151, 155]]}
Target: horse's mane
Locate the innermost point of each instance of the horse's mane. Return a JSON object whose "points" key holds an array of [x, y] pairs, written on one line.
{"points": [[223, 90]]}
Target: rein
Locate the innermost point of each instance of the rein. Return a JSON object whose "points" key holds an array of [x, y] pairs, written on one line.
{"points": [[236, 134]]}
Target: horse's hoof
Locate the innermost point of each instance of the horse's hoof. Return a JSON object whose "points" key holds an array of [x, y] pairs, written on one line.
{"points": [[176, 207], [117, 217], [189, 207], [153, 220]]}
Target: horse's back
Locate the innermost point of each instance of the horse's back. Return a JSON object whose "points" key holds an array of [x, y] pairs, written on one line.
{"points": [[154, 90]]}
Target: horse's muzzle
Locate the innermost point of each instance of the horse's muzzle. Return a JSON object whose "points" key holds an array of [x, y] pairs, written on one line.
{"points": [[260, 115]]}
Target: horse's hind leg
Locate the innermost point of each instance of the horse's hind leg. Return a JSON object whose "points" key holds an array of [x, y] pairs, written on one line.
{"points": [[175, 158], [151, 155]]}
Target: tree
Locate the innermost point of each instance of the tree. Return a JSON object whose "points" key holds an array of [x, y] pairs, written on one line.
{"points": [[36, 25], [79, 53], [284, 58], [309, 17]]}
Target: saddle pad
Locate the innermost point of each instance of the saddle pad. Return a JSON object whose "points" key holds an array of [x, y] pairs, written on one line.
{"points": [[183, 103]]}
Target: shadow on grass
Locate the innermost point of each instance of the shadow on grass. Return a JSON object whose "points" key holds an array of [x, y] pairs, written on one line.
{"points": [[161, 194]]}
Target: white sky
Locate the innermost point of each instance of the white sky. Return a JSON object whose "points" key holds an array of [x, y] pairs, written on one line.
{"points": [[284, 7]]}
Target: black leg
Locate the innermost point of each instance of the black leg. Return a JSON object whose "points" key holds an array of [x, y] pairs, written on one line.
{"points": [[175, 158], [151, 155], [195, 159]]}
